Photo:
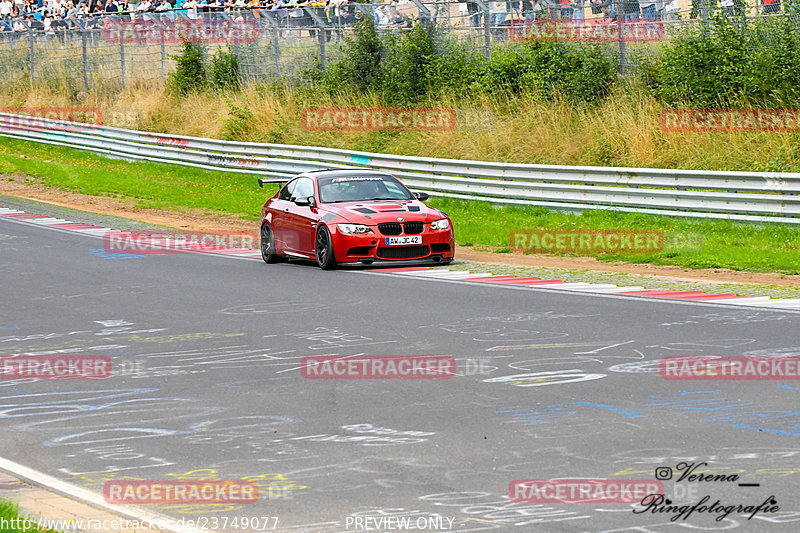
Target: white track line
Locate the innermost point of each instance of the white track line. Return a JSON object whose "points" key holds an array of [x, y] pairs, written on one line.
{"points": [[80, 494]]}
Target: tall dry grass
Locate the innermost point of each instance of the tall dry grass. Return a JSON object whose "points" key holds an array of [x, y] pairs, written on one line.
{"points": [[622, 131]]}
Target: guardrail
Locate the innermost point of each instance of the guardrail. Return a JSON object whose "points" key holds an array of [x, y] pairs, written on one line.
{"points": [[751, 196]]}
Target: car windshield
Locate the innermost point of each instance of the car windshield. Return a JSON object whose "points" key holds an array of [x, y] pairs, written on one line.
{"points": [[361, 188]]}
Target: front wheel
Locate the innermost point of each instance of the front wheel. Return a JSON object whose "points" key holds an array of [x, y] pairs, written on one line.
{"points": [[268, 253], [325, 256]]}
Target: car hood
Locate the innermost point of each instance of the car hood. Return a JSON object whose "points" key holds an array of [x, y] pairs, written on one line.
{"points": [[376, 212]]}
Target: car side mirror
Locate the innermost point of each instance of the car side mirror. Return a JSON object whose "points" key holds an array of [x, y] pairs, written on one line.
{"points": [[421, 196], [308, 201]]}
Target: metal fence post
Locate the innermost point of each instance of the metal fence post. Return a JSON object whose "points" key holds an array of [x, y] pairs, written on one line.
{"points": [[275, 31], [621, 60], [85, 60], [163, 57], [122, 60], [320, 34], [424, 13], [487, 27], [31, 54]]}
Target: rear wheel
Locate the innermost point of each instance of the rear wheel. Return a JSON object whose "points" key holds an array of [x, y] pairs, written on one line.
{"points": [[324, 246], [268, 253]]}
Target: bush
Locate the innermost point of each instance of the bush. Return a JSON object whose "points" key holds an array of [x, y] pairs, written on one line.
{"points": [[225, 70], [404, 71], [549, 70], [190, 72], [455, 68], [728, 64], [361, 66], [409, 66]]}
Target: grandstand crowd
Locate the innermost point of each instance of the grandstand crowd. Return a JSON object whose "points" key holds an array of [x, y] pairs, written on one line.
{"points": [[51, 16]]}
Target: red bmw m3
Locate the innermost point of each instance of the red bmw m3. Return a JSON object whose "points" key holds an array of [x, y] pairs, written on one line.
{"points": [[353, 217]]}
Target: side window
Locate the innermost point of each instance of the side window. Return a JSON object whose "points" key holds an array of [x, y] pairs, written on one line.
{"points": [[286, 192], [304, 189], [394, 189]]}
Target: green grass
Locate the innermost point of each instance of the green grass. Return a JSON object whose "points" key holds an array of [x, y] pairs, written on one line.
{"points": [[152, 185], [9, 515], [724, 244]]}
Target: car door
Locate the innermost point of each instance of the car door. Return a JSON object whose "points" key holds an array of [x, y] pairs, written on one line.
{"points": [[281, 215], [302, 220]]}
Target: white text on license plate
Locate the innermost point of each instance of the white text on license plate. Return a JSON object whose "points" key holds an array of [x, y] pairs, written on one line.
{"points": [[403, 239]]}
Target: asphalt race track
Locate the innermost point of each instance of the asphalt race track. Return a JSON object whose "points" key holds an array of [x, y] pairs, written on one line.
{"points": [[206, 385]]}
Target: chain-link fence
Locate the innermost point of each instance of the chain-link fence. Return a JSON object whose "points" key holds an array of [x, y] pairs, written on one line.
{"points": [[281, 42]]}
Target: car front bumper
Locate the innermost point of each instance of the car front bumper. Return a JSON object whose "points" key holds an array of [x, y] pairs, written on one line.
{"points": [[436, 247]]}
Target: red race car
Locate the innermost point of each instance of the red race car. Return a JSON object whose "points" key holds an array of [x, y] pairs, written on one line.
{"points": [[352, 217]]}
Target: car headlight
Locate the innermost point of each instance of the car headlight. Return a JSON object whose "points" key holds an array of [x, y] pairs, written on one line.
{"points": [[353, 228], [440, 224]]}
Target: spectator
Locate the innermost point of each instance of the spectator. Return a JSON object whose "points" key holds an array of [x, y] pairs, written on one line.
{"points": [[500, 14], [609, 13], [398, 20], [34, 24], [95, 15], [72, 25], [474, 12], [577, 11], [513, 9], [382, 16], [279, 9], [164, 11], [6, 7], [332, 9], [630, 10], [566, 9], [648, 8], [671, 10], [49, 31], [191, 9]]}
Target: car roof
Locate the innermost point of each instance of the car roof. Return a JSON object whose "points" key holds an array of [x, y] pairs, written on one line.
{"points": [[345, 172]]}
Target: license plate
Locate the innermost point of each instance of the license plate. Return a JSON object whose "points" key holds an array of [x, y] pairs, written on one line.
{"points": [[403, 240]]}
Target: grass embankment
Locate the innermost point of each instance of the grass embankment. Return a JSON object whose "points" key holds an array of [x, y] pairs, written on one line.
{"points": [[748, 247], [622, 130]]}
